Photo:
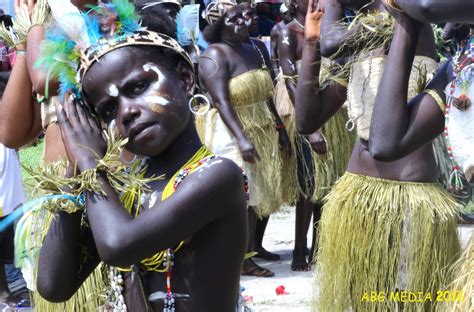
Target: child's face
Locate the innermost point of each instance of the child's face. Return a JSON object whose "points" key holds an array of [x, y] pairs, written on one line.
{"points": [[147, 103]]}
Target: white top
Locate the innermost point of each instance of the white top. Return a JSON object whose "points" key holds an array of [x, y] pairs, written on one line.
{"points": [[11, 187], [461, 128]]}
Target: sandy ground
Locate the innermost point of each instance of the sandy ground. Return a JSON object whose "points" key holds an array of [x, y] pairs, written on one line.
{"points": [[279, 238]]}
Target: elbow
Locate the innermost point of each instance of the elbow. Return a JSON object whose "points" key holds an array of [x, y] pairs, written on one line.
{"points": [[305, 129], [56, 292], [328, 47], [304, 125], [383, 154], [11, 141], [113, 252], [425, 10]]}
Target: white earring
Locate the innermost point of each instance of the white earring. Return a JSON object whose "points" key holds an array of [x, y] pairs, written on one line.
{"points": [[199, 111]]}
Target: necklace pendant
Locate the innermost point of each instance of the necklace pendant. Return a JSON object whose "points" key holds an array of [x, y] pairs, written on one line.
{"points": [[462, 102]]}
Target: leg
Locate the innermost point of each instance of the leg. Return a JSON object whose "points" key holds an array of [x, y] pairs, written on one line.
{"points": [[250, 267], [4, 292], [316, 217], [303, 218], [258, 247]]}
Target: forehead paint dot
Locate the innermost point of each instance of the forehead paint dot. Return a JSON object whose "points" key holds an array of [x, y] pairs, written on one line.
{"points": [[150, 66], [112, 90]]}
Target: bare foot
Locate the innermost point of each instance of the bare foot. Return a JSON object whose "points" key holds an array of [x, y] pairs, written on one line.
{"points": [[250, 268], [299, 263], [262, 253]]}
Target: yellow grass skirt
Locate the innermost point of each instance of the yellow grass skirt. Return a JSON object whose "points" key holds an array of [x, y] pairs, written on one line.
{"points": [[328, 168], [88, 297], [462, 289], [378, 235], [265, 179]]}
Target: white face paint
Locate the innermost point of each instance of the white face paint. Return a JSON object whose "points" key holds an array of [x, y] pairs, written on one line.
{"points": [[227, 23], [156, 99], [248, 22], [150, 66], [112, 90]]}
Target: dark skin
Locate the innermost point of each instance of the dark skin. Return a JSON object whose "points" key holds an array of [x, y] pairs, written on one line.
{"points": [[210, 215], [313, 111], [419, 121], [275, 37], [251, 19], [290, 48], [217, 65], [439, 11]]}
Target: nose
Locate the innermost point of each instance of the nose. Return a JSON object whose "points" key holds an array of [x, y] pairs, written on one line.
{"points": [[128, 112]]}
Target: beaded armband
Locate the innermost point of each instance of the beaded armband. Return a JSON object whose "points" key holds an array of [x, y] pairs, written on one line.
{"points": [[437, 99]]}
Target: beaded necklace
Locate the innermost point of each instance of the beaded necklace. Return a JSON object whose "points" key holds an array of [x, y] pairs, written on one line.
{"points": [[463, 72], [298, 23]]}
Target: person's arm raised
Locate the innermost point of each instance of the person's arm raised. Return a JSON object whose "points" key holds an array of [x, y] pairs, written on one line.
{"points": [[333, 33], [438, 11], [397, 128], [213, 193], [214, 72], [313, 105], [20, 120]]}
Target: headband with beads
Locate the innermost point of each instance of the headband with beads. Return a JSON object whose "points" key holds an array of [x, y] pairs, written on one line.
{"points": [[68, 56]]}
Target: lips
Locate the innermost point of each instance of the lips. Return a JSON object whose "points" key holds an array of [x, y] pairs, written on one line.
{"points": [[139, 129]]}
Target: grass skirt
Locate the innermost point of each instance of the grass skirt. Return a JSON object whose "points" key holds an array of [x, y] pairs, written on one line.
{"points": [[332, 165], [378, 235], [463, 272], [265, 175], [326, 169], [88, 297]]}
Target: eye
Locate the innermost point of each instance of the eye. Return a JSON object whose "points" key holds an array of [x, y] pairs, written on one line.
{"points": [[140, 87], [107, 111]]}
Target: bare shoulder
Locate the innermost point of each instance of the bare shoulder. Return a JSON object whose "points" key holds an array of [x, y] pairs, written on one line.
{"points": [[215, 50], [220, 178]]}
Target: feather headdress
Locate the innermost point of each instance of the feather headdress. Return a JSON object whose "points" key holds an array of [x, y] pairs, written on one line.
{"points": [[68, 56]]}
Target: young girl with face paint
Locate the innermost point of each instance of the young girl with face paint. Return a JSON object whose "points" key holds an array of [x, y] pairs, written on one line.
{"points": [[198, 206], [241, 126], [383, 213]]}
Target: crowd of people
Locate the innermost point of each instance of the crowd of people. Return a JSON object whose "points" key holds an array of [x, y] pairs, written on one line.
{"points": [[172, 132]]}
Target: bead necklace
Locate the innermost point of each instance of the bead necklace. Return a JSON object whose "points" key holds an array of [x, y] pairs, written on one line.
{"points": [[264, 64], [462, 78], [298, 23]]}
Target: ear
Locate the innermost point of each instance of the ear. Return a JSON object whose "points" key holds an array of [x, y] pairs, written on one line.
{"points": [[186, 75]]}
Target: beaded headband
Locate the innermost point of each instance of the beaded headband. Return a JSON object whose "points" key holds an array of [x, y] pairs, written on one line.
{"points": [[153, 3], [216, 9], [68, 56], [140, 38]]}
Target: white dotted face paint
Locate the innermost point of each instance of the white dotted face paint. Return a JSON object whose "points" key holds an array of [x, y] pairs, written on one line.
{"points": [[286, 40], [160, 76], [112, 90]]}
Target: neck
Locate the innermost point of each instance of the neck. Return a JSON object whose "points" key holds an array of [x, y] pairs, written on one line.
{"points": [[177, 154], [235, 43], [300, 18]]}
